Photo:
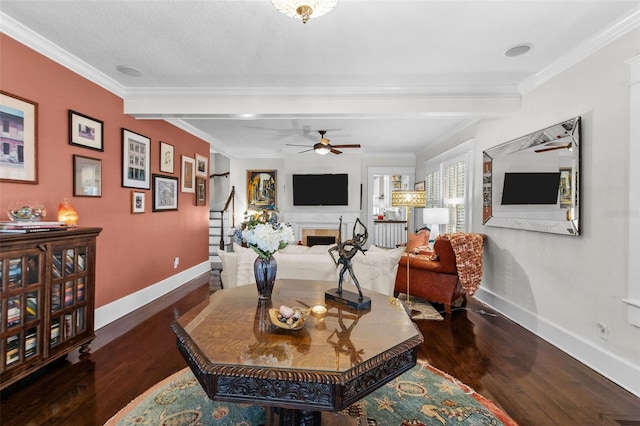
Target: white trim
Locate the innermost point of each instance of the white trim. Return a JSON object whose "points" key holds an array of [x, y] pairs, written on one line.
{"points": [[611, 366], [633, 218], [35, 41], [465, 152], [581, 52], [390, 170], [121, 307]]}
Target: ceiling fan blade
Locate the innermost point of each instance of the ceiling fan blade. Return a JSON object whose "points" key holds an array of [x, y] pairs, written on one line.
{"points": [[293, 144], [306, 150], [335, 151], [353, 145], [567, 146]]}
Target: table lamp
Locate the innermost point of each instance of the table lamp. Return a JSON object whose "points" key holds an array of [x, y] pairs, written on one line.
{"points": [[435, 216], [408, 199]]}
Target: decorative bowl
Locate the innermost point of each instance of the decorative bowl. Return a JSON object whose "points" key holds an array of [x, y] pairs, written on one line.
{"points": [[297, 321], [26, 213]]}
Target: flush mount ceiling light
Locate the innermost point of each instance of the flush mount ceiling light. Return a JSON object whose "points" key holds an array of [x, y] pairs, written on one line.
{"points": [[304, 9], [518, 49], [129, 70]]}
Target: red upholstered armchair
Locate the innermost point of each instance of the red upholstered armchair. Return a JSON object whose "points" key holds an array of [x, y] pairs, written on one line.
{"points": [[438, 280]]}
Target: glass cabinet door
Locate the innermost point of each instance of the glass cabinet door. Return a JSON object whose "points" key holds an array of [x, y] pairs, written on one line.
{"points": [[21, 306], [68, 297]]}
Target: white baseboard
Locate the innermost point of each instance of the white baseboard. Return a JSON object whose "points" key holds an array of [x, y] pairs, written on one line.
{"points": [[121, 307], [611, 366]]}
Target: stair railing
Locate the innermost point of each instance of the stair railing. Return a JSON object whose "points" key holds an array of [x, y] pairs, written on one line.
{"points": [[230, 201]]}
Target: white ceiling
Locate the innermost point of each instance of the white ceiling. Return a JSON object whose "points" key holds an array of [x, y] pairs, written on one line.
{"points": [[393, 76]]}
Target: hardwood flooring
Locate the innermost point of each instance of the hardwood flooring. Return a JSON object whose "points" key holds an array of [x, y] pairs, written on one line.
{"points": [[530, 379]]}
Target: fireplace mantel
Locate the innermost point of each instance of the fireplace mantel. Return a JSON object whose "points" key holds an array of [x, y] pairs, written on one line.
{"points": [[300, 220]]}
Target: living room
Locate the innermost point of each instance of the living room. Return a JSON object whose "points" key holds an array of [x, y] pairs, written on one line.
{"points": [[558, 287]]}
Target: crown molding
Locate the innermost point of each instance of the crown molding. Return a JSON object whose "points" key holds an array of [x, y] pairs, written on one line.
{"points": [[585, 49], [26, 36]]}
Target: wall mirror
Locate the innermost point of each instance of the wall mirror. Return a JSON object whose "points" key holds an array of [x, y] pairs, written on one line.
{"points": [[533, 182]]}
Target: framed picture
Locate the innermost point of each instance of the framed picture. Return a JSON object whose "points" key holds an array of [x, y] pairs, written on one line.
{"points": [[135, 160], [19, 155], [87, 176], [188, 174], [261, 189], [166, 157], [418, 186], [201, 165], [201, 191], [566, 188], [85, 131], [137, 202], [165, 193]]}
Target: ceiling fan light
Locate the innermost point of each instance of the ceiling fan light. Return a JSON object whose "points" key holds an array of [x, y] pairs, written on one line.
{"points": [[321, 149], [304, 9]]}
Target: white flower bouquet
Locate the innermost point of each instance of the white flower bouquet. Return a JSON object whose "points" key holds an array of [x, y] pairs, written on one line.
{"points": [[267, 238]]}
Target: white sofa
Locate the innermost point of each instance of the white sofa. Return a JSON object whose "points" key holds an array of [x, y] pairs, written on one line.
{"points": [[375, 270]]}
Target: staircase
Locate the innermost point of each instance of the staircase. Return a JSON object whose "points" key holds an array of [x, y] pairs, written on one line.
{"points": [[221, 225], [219, 236]]}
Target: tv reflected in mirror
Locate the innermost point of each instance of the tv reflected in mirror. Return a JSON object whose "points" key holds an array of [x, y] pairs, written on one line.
{"points": [[531, 188]]}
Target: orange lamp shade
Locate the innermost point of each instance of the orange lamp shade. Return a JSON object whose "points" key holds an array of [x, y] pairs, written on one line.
{"points": [[67, 214]]}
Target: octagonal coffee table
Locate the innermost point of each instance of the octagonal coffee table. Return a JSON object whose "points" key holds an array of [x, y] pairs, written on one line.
{"points": [[338, 357]]}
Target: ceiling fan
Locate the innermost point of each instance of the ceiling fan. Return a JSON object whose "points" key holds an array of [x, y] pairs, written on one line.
{"points": [[324, 146], [561, 142]]}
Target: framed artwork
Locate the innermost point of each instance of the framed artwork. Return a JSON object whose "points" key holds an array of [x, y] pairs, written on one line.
{"points": [[166, 157], [137, 202], [188, 174], [566, 188], [201, 191], [261, 189], [135, 160], [85, 131], [87, 176], [19, 154], [418, 186], [165, 193], [201, 165]]}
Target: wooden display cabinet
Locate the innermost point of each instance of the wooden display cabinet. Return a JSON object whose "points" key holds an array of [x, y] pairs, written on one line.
{"points": [[47, 281]]}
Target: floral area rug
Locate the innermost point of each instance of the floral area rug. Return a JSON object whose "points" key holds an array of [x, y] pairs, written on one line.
{"points": [[423, 395]]}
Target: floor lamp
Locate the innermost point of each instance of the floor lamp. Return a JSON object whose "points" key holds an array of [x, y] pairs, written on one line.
{"points": [[408, 199]]}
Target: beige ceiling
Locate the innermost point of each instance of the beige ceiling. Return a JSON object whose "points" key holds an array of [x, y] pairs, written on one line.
{"points": [[393, 76]]}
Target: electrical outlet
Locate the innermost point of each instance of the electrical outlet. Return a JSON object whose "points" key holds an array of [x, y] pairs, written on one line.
{"points": [[603, 331], [176, 262]]}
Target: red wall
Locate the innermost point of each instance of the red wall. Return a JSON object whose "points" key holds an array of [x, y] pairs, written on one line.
{"points": [[134, 250]]}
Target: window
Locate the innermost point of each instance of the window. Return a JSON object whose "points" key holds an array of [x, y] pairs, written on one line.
{"points": [[448, 182]]}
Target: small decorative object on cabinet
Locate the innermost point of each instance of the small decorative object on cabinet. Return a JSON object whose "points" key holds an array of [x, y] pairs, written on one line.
{"points": [[47, 298]]}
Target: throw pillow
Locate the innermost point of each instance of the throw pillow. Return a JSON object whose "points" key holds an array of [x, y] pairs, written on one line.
{"points": [[376, 269], [246, 258], [321, 249], [293, 249], [417, 240]]}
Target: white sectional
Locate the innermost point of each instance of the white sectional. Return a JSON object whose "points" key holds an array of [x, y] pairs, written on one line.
{"points": [[375, 270]]}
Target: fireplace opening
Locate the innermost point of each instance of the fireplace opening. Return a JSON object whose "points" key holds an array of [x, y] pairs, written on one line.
{"points": [[320, 240]]}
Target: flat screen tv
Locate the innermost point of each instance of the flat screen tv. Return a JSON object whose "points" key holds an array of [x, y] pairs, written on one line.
{"points": [[531, 188], [321, 190]]}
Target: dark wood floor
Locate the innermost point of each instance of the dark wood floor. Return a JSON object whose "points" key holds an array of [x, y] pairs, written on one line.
{"points": [[528, 378]]}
